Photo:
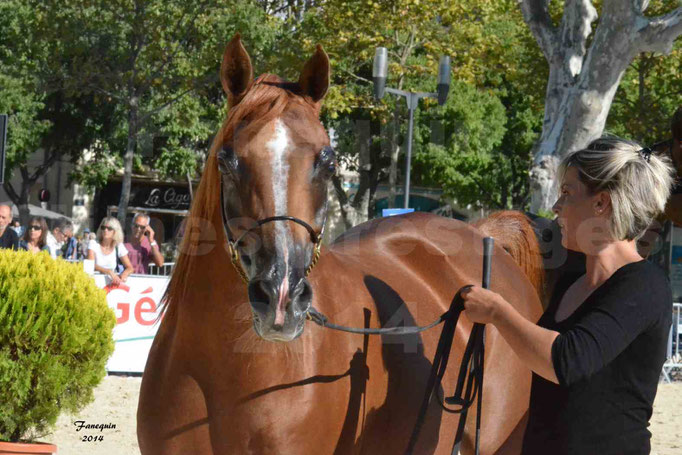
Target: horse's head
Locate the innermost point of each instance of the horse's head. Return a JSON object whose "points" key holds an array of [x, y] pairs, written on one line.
{"points": [[275, 161]]}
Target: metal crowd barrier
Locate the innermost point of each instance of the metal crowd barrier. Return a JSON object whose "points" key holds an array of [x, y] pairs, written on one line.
{"points": [[164, 270], [674, 354]]}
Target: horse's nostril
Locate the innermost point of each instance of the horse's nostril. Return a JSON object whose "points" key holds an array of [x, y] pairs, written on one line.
{"points": [[261, 293], [304, 292]]}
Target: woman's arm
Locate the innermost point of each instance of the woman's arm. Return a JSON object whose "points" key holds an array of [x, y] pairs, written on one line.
{"points": [[128, 267], [102, 270], [532, 343]]}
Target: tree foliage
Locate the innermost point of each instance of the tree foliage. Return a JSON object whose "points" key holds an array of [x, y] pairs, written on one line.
{"points": [[457, 147], [135, 83]]}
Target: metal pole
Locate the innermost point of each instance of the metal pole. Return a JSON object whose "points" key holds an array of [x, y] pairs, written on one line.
{"points": [[412, 101]]}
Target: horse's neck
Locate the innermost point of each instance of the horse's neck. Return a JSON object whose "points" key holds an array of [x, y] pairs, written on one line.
{"points": [[210, 278]]}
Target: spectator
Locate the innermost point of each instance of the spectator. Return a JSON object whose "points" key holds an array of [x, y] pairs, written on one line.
{"points": [[83, 244], [70, 247], [142, 248], [8, 238], [16, 225], [35, 237], [55, 240], [108, 250]]}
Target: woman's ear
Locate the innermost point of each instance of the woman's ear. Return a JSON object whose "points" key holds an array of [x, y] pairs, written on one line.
{"points": [[602, 203]]}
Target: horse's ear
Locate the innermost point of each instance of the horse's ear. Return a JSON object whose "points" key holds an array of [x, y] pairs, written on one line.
{"points": [[314, 79], [236, 72]]}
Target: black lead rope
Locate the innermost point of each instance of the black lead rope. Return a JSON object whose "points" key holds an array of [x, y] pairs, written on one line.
{"points": [[322, 320], [470, 370]]}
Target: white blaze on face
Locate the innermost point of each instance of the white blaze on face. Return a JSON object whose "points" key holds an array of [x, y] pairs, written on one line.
{"points": [[277, 146]]}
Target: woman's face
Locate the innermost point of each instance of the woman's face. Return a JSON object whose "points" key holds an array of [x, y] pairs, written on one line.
{"points": [[582, 217], [107, 231], [35, 231]]}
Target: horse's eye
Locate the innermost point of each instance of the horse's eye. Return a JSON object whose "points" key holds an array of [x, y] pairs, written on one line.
{"points": [[227, 160], [326, 162]]}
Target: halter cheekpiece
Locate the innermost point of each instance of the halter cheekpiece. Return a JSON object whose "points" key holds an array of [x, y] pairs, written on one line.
{"points": [[232, 244]]}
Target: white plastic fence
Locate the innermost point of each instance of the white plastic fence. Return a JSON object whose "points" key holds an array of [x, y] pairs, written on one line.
{"points": [[674, 355]]}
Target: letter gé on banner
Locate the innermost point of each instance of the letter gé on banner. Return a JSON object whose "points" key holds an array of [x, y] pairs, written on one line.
{"points": [[137, 305]]}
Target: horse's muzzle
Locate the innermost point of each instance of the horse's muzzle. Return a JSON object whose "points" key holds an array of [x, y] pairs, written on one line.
{"points": [[278, 309]]}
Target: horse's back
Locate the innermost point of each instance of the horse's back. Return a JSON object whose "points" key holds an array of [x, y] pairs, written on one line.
{"points": [[423, 252]]}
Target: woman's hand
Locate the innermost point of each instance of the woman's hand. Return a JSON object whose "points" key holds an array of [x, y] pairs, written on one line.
{"points": [[482, 305], [123, 277], [115, 279]]}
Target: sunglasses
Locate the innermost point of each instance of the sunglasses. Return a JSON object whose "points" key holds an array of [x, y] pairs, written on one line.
{"points": [[107, 228], [139, 226], [35, 228]]}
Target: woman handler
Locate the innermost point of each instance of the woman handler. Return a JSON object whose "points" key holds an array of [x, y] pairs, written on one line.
{"points": [[598, 350]]}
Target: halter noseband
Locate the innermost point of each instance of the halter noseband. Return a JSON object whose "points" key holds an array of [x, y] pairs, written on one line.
{"points": [[232, 244]]}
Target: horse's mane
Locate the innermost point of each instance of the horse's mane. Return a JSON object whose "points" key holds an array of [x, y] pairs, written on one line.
{"points": [[268, 98], [515, 234]]}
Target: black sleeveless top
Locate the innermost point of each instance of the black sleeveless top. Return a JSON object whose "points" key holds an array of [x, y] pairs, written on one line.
{"points": [[608, 359]]}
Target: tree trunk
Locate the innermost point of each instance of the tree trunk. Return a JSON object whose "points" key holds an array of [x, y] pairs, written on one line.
{"points": [[355, 211], [361, 198], [23, 198], [582, 82], [128, 163]]}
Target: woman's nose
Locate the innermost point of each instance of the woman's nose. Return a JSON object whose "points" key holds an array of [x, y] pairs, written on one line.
{"points": [[556, 207]]}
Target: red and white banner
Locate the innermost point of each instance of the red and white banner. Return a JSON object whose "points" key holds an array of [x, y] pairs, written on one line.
{"points": [[137, 304]]}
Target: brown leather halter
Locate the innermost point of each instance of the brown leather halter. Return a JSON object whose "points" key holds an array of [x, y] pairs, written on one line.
{"points": [[232, 245]]}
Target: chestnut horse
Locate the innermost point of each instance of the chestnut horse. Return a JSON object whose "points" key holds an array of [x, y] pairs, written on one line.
{"points": [[234, 368]]}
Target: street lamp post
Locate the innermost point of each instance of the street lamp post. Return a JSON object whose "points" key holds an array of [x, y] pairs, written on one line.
{"points": [[379, 76]]}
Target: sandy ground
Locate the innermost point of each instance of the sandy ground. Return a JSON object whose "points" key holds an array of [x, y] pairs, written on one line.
{"points": [[116, 403]]}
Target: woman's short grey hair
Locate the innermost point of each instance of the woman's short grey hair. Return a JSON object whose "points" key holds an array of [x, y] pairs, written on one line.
{"points": [[114, 223], [637, 181]]}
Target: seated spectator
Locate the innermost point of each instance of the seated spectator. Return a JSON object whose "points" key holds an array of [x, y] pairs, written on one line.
{"points": [[35, 237], [70, 246], [55, 241], [142, 248], [8, 238], [83, 243], [108, 250], [16, 225]]}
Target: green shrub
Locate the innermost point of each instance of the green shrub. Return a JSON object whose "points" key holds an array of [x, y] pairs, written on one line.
{"points": [[55, 339]]}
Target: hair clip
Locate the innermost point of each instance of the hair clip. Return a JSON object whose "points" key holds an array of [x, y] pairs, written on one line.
{"points": [[645, 153]]}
